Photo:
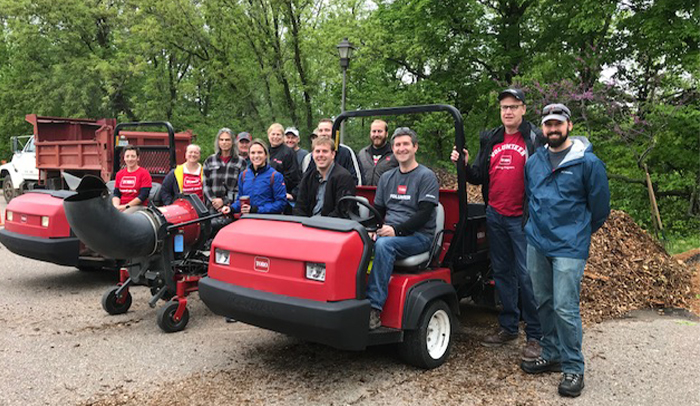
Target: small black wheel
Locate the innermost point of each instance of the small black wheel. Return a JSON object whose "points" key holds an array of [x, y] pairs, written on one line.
{"points": [[8, 190], [110, 304], [429, 346], [166, 316]]}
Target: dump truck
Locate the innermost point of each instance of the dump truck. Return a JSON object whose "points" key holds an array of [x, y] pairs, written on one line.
{"points": [[70, 148]]}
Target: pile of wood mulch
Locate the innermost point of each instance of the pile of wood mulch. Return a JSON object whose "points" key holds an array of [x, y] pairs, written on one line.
{"points": [[627, 268]]}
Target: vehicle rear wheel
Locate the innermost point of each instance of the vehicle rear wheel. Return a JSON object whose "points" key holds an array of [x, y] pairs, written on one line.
{"points": [[166, 320], [429, 345], [112, 305], [8, 189]]}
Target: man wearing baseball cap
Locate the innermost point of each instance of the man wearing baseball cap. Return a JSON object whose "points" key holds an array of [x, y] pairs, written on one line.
{"points": [[291, 138], [242, 144], [568, 200], [499, 167]]}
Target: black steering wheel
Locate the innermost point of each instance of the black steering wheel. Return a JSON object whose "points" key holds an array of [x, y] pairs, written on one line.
{"points": [[346, 209]]}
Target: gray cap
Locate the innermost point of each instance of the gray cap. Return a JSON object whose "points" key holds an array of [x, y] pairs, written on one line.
{"points": [[517, 93], [243, 136], [556, 111]]}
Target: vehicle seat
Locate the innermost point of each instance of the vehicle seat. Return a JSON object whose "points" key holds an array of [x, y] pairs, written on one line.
{"points": [[154, 194], [421, 261]]}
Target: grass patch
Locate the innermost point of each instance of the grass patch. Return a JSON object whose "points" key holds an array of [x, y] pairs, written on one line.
{"points": [[678, 244]]}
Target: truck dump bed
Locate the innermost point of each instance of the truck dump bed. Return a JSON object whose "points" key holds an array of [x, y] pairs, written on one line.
{"points": [[86, 146]]}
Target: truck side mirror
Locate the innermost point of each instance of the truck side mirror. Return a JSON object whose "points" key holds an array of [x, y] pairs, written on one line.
{"points": [[15, 144]]}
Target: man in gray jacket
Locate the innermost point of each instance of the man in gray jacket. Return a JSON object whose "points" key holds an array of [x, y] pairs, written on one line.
{"points": [[376, 158]]}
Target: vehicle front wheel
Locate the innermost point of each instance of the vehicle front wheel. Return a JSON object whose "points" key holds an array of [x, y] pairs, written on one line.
{"points": [[429, 345], [8, 189]]}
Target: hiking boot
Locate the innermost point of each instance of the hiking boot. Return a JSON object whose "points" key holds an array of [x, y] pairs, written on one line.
{"points": [[499, 338], [540, 365], [571, 385], [532, 350], [375, 319]]}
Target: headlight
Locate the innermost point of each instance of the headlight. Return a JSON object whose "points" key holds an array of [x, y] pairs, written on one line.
{"points": [[222, 257], [316, 271], [8, 214], [44, 221]]}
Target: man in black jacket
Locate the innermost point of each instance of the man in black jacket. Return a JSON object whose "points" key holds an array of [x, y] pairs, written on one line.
{"points": [[283, 160], [377, 157], [322, 187], [499, 168]]}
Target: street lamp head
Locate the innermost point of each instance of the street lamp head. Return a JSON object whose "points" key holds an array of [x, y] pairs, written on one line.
{"points": [[345, 49]]}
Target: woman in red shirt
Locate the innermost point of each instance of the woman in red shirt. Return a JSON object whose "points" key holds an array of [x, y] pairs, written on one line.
{"points": [[132, 184]]}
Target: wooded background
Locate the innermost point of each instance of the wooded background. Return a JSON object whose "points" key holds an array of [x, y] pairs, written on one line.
{"points": [[629, 70]]}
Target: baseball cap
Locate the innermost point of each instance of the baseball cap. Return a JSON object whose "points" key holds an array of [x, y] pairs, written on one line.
{"points": [[243, 136], [517, 93], [556, 111], [292, 130]]}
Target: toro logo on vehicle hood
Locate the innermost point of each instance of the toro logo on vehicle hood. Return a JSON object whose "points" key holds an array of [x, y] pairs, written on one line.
{"points": [[261, 264]]}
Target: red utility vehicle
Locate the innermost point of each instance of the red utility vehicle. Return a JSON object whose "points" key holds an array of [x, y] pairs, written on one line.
{"points": [[35, 222], [306, 277]]}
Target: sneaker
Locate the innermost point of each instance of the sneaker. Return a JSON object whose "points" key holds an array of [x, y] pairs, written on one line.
{"points": [[571, 385], [532, 350], [499, 338], [230, 320], [375, 319], [540, 365]]}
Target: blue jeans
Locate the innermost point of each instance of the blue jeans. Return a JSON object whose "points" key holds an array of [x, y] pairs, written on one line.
{"points": [[386, 251], [507, 245], [557, 284]]}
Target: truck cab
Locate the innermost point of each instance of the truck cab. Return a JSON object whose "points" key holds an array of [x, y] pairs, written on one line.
{"points": [[20, 173], [307, 277]]}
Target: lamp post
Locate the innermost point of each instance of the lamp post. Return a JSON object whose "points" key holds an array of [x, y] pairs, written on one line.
{"points": [[345, 49]]}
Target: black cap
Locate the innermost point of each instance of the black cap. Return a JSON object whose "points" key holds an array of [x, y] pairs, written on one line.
{"points": [[517, 93]]}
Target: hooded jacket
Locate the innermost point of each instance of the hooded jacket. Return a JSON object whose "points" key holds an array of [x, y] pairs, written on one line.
{"points": [[567, 203], [266, 189], [478, 171]]}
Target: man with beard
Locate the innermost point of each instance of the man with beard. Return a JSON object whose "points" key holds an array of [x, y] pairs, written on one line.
{"points": [[568, 200], [376, 158], [499, 167]]}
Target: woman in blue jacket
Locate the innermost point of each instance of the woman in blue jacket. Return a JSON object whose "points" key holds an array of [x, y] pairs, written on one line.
{"points": [[263, 185]]}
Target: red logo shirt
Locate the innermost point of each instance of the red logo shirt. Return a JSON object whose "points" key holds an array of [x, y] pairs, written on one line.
{"points": [[507, 175], [401, 189], [130, 183], [192, 184]]}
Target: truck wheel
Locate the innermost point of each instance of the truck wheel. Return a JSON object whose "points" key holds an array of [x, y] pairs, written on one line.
{"points": [[110, 304], [166, 321], [429, 346], [8, 189]]}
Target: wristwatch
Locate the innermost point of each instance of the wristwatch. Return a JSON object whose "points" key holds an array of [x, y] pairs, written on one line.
{"points": [[126, 207]]}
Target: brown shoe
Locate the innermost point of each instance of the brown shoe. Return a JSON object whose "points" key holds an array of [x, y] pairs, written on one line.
{"points": [[532, 350], [498, 338]]}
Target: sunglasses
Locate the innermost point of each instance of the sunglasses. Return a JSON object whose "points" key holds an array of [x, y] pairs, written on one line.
{"points": [[558, 109]]}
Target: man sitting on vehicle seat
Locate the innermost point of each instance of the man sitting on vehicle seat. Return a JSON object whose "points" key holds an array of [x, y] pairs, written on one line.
{"points": [[406, 197], [321, 188]]}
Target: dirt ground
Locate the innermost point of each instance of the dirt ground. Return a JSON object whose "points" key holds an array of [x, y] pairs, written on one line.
{"points": [[57, 346]]}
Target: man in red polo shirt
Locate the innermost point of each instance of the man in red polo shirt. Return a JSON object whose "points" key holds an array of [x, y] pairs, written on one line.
{"points": [[500, 168]]}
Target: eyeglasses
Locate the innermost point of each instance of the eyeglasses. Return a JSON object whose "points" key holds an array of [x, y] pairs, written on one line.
{"points": [[511, 107]]}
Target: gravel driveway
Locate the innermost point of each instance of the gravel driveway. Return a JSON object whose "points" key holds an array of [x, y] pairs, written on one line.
{"points": [[57, 346]]}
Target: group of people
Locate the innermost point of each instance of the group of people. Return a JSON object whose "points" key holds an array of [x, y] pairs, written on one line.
{"points": [[545, 194]]}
